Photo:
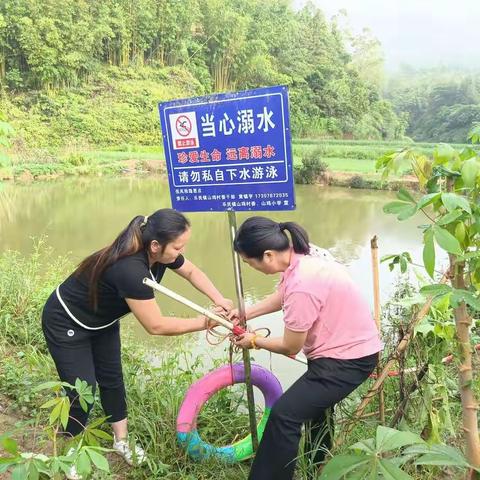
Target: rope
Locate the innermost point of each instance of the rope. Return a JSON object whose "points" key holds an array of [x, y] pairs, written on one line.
{"points": [[211, 333]]}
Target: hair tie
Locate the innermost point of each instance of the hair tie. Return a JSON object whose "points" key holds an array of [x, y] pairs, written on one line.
{"points": [[145, 220], [282, 226]]}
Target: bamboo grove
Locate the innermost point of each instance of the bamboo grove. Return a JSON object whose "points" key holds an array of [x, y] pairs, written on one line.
{"points": [[333, 76]]}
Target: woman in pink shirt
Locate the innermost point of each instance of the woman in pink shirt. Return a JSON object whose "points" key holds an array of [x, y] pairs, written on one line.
{"points": [[326, 316]]}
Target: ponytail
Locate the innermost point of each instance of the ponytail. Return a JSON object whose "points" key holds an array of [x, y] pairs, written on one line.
{"points": [[258, 234], [163, 226], [298, 235]]}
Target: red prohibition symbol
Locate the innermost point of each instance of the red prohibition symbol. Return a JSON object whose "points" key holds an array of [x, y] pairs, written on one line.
{"points": [[183, 125]]}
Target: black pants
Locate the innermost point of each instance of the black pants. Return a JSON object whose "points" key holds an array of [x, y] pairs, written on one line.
{"points": [[309, 400], [90, 355]]}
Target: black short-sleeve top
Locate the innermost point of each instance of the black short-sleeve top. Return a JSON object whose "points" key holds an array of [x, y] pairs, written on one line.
{"points": [[123, 279]]}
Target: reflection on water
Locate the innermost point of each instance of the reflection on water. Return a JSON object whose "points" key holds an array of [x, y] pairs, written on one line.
{"points": [[82, 215]]}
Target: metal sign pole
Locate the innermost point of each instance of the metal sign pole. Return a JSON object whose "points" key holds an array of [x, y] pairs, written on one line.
{"points": [[232, 221]]}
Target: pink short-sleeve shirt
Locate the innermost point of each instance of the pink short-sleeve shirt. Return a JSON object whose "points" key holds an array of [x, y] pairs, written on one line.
{"points": [[319, 297]]}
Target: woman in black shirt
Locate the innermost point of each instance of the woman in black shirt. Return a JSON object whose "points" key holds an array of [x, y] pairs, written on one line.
{"points": [[80, 318]]}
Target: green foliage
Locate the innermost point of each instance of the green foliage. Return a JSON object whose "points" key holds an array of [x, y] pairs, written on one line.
{"points": [[381, 457], [312, 168], [356, 181], [474, 134], [97, 70], [6, 133], [403, 259], [450, 203], [440, 104], [453, 214], [76, 159], [120, 108], [25, 284], [85, 454]]}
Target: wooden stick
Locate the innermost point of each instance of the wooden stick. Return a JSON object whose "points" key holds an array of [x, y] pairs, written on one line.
{"points": [[170, 293], [376, 314], [403, 403], [343, 421]]}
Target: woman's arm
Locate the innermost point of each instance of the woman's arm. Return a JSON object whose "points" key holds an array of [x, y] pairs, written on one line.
{"points": [[201, 282], [270, 304], [290, 344], [149, 315]]}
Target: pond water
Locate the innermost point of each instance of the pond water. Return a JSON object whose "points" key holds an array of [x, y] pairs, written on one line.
{"points": [[79, 216]]}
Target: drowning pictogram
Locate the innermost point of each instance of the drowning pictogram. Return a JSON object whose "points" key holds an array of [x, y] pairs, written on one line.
{"points": [[183, 126]]}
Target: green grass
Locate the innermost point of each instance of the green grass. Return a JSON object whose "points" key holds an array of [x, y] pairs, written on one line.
{"points": [[350, 165], [106, 156], [359, 150], [369, 143], [355, 156]]}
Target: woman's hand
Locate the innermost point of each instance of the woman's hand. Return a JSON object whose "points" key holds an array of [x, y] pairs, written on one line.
{"points": [[225, 304], [208, 322], [234, 316], [244, 340]]}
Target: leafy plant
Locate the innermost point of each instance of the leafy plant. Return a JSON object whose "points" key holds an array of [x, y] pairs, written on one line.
{"points": [[381, 457], [451, 183], [85, 451], [356, 181], [25, 284], [6, 133], [312, 168]]}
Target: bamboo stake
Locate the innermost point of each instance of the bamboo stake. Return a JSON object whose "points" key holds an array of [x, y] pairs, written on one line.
{"points": [[470, 407], [401, 347], [376, 314]]}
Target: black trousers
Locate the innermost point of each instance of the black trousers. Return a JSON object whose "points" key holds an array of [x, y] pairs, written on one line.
{"points": [[309, 400], [90, 355]]}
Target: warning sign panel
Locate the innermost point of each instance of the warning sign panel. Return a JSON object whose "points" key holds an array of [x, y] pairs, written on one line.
{"points": [[239, 159], [184, 130]]}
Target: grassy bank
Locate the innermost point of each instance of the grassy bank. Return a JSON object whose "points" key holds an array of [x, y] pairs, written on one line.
{"points": [[349, 163], [156, 384]]}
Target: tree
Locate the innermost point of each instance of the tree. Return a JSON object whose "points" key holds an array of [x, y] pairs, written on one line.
{"points": [[440, 105]]}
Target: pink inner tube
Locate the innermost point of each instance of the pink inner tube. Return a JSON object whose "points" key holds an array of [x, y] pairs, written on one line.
{"points": [[207, 386], [202, 390]]}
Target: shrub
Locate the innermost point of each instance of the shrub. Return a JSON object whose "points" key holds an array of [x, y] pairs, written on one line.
{"points": [[312, 168], [25, 284], [76, 159], [356, 181]]}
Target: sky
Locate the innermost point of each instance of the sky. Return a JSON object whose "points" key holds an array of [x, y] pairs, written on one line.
{"points": [[420, 33]]}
